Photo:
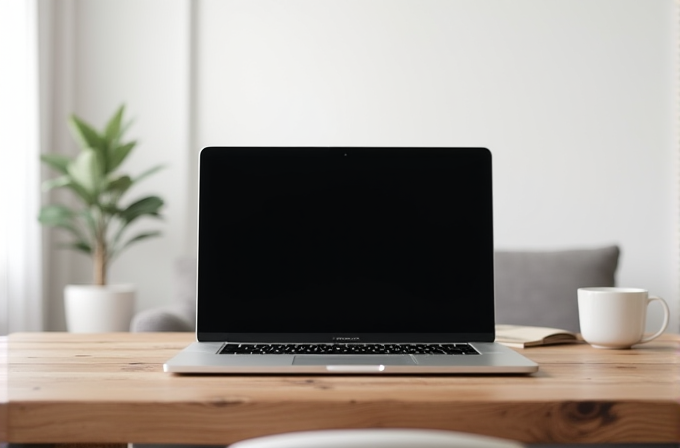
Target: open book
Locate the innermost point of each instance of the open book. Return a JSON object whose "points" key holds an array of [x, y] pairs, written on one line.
{"points": [[525, 336]]}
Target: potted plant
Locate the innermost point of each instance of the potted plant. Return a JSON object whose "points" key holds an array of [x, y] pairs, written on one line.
{"points": [[99, 222]]}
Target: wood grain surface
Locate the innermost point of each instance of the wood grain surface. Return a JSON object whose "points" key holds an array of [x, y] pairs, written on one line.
{"points": [[110, 388], [3, 390]]}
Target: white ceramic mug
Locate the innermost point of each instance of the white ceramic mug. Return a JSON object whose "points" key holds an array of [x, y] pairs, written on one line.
{"points": [[612, 317]]}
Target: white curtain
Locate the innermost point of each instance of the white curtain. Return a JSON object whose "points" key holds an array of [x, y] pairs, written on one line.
{"points": [[21, 302]]}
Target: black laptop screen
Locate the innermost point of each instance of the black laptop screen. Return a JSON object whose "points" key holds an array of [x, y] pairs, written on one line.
{"points": [[345, 241]]}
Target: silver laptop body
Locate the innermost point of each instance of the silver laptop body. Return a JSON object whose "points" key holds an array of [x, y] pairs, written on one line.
{"points": [[345, 260]]}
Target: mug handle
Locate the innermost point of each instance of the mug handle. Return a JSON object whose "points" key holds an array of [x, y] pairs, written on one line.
{"points": [[666, 317]]}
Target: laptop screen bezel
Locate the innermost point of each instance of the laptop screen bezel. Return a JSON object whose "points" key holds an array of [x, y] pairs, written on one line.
{"points": [[219, 336]]}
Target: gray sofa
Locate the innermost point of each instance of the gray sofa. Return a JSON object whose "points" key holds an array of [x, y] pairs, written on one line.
{"points": [[539, 287], [532, 288]]}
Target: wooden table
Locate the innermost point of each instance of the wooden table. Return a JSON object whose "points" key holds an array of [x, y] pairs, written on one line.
{"points": [[3, 389], [110, 388]]}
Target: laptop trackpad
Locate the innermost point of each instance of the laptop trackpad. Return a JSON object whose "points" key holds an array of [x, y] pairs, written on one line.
{"points": [[361, 360]]}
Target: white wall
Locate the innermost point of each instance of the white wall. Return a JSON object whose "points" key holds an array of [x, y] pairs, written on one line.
{"points": [[576, 99]]}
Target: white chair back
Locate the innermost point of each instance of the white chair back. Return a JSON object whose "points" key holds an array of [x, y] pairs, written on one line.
{"points": [[377, 438]]}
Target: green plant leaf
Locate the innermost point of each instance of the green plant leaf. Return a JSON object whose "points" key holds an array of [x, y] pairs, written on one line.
{"points": [[148, 173], [119, 153], [60, 216], [139, 237], [115, 189], [119, 185], [57, 161], [85, 134], [55, 215], [90, 138], [83, 194], [80, 246], [57, 182], [66, 182], [86, 172], [146, 206], [110, 209], [113, 127]]}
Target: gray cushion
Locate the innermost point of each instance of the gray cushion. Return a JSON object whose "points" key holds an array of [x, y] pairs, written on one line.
{"points": [[180, 314], [166, 318], [540, 287]]}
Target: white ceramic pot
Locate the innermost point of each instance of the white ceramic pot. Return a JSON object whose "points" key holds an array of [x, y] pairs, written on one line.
{"points": [[99, 309]]}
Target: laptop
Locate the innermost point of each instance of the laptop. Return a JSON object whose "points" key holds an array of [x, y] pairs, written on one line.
{"points": [[345, 260]]}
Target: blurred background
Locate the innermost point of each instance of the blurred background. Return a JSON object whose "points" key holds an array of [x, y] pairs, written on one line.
{"points": [[577, 100]]}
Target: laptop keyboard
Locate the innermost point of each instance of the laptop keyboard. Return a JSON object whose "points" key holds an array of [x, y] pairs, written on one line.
{"points": [[351, 349]]}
